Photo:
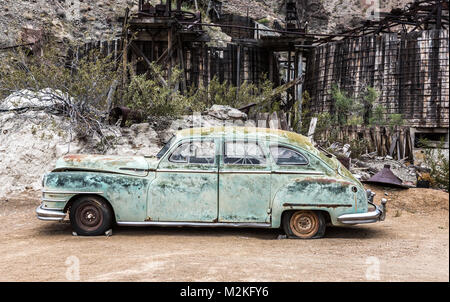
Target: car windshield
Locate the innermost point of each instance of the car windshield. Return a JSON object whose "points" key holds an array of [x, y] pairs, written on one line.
{"points": [[165, 148]]}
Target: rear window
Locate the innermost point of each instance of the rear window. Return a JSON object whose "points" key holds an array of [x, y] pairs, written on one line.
{"points": [[287, 156], [243, 153]]}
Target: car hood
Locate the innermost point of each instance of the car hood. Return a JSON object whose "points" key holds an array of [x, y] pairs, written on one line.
{"points": [[130, 165]]}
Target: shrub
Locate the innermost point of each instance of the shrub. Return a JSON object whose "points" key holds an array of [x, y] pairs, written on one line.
{"points": [[343, 105], [81, 85], [86, 80], [324, 122], [305, 114], [358, 147], [223, 93], [148, 95], [438, 163]]}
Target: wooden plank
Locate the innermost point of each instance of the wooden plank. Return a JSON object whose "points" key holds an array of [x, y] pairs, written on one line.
{"points": [[283, 121], [393, 145], [274, 122], [312, 128], [149, 64]]}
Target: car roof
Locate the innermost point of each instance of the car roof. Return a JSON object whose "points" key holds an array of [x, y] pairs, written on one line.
{"points": [[235, 132], [275, 136]]}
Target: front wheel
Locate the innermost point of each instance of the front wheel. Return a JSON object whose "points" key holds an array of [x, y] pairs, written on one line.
{"points": [[304, 224], [90, 216]]}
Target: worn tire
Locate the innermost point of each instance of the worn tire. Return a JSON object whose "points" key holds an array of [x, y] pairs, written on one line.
{"points": [[304, 224], [90, 216]]}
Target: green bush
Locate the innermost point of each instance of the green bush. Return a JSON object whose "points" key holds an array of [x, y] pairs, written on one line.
{"points": [[223, 93], [438, 163], [361, 110], [264, 21], [82, 85], [302, 124], [86, 80], [148, 95], [358, 147], [344, 105]]}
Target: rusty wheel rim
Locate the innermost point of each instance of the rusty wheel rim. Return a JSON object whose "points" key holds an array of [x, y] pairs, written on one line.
{"points": [[304, 224], [89, 216]]}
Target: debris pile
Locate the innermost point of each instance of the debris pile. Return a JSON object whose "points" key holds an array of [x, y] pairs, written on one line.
{"points": [[369, 164]]}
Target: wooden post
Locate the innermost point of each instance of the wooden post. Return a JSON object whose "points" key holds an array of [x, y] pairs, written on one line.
{"points": [[288, 94], [125, 50], [238, 69], [183, 68], [152, 45], [312, 128], [169, 51], [271, 66], [299, 88]]}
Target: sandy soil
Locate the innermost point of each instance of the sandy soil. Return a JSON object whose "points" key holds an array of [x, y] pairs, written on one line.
{"points": [[411, 245]]}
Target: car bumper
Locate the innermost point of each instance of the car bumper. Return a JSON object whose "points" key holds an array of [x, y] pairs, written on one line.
{"points": [[370, 217], [49, 215]]}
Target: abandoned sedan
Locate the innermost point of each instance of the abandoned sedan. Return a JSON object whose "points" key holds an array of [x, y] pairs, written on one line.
{"points": [[219, 176]]}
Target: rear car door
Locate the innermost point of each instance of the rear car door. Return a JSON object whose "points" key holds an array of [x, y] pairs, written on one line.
{"points": [[244, 182]]}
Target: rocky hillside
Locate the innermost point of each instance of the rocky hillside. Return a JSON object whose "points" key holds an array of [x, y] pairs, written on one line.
{"points": [[83, 19], [332, 16], [72, 19]]}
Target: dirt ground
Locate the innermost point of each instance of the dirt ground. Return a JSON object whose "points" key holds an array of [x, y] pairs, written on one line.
{"points": [[411, 245]]}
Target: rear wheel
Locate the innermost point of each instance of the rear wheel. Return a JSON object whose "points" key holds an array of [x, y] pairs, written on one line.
{"points": [[90, 216], [304, 224]]}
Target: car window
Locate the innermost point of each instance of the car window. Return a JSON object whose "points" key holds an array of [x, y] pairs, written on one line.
{"points": [[286, 156], [243, 153], [194, 152]]}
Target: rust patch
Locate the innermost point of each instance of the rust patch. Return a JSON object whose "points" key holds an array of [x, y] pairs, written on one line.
{"points": [[324, 181], [74, 157]]}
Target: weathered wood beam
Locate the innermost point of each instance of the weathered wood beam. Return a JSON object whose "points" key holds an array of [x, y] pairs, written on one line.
{"points": [[181, 60], [149, 64], [125, 49]]}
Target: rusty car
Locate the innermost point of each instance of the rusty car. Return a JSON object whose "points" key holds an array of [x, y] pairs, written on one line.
{"points": [[211, 177]]}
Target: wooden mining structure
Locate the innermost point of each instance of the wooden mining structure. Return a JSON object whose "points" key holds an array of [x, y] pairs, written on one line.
{"points": [[404, 54], [170, 36]]}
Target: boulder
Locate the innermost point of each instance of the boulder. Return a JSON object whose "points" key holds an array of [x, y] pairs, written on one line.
{"points": [[224, 112], [27, 99]]}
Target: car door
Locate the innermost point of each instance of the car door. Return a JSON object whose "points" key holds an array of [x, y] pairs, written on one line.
{"points": [[244, 183], [185, 187]]}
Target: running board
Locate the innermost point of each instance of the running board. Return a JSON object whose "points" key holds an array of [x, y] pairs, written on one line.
{"points": [[196, 224]]}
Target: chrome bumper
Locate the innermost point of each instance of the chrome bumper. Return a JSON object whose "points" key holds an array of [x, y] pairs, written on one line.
{"points": [[378, 215], [49, 215]]}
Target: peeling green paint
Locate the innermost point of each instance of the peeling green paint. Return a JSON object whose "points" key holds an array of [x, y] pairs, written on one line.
{"points": [[131, 165], [127, 194], [150, 189]]}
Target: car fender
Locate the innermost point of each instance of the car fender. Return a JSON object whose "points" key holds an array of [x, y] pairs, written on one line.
{"points": [[332, 195], [127, 194]]}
